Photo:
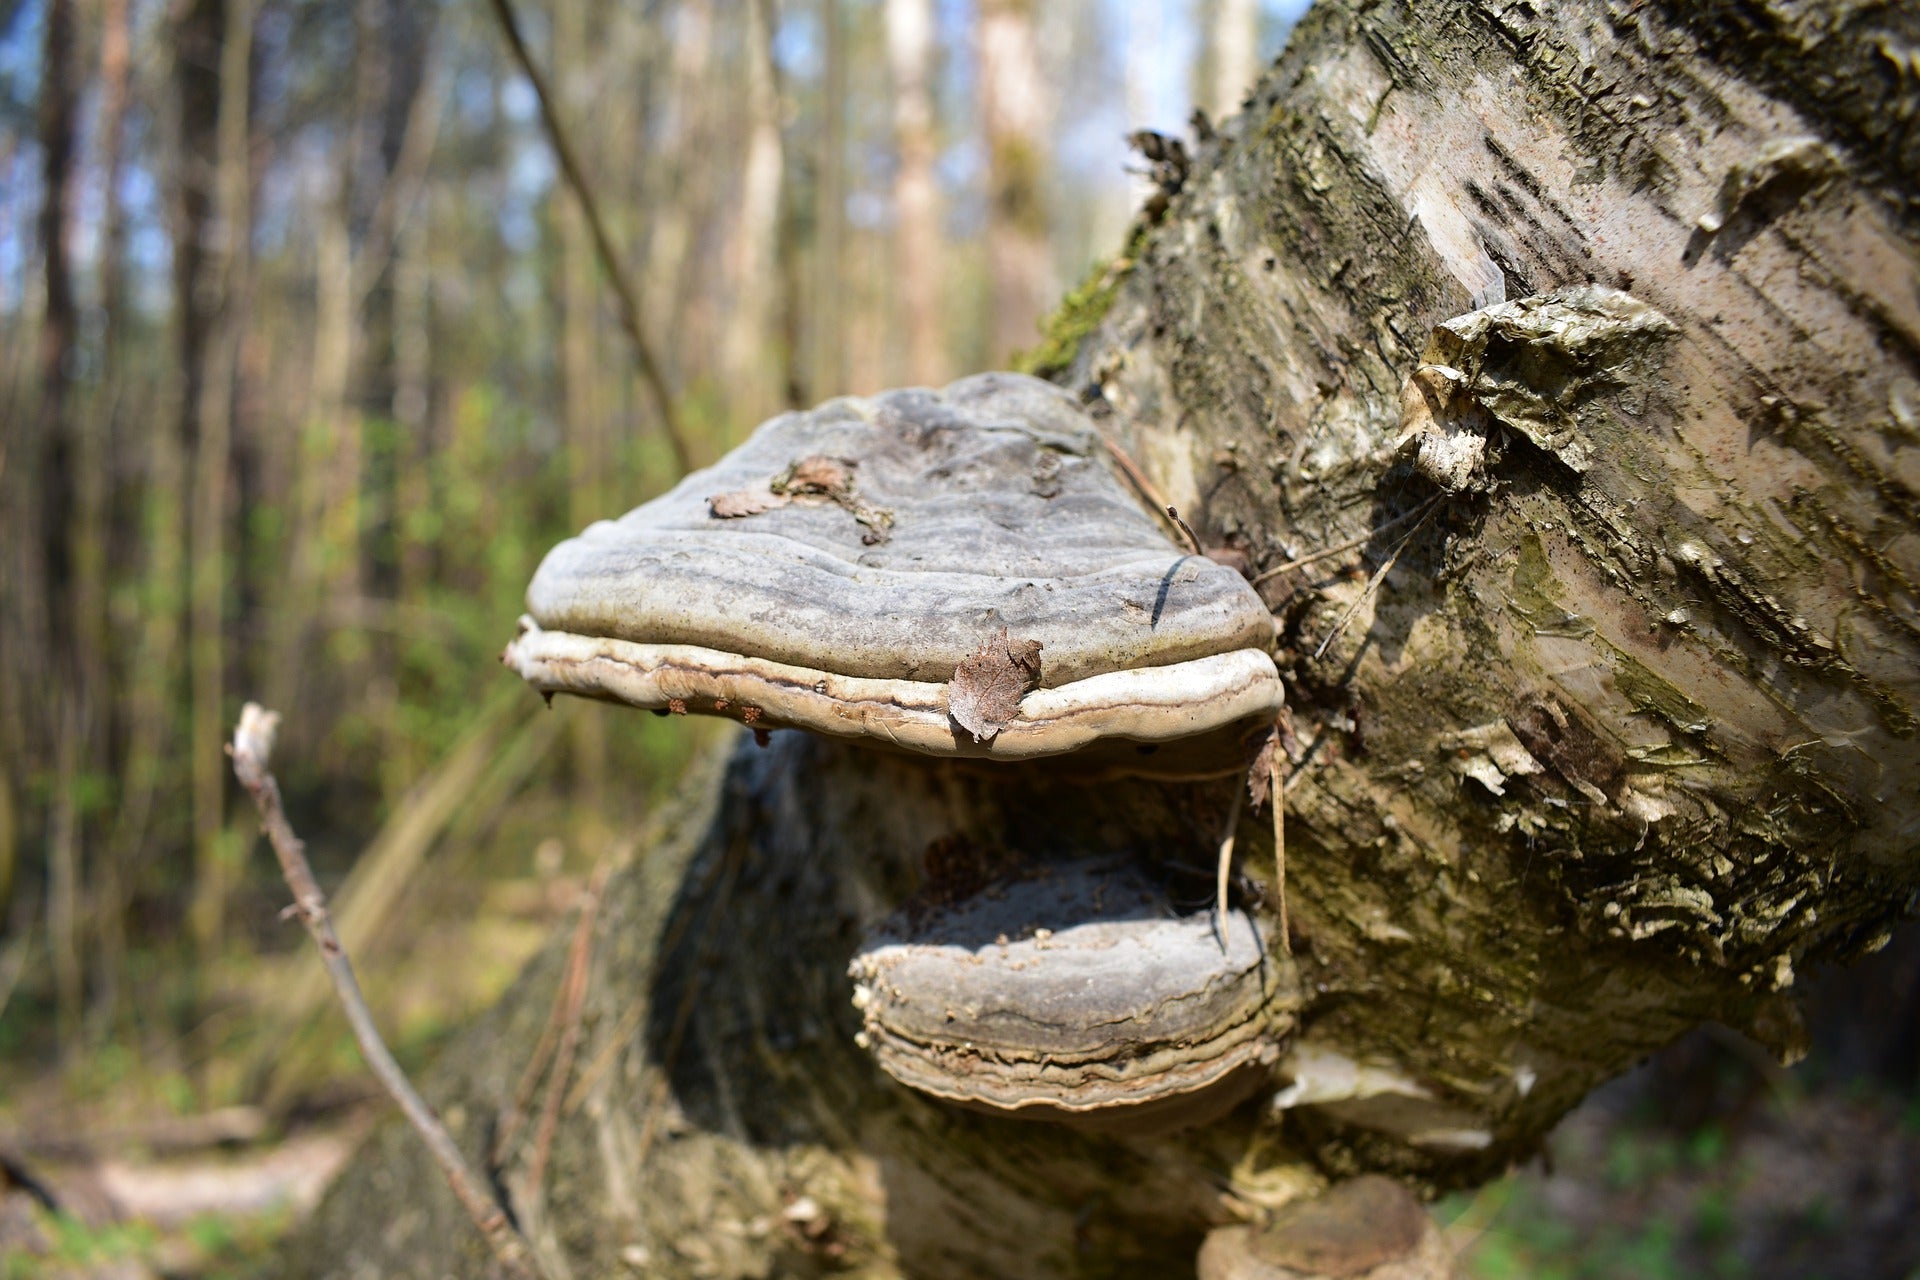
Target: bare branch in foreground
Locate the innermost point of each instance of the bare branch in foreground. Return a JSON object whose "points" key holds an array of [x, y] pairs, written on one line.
{"points": [[252, 746]]}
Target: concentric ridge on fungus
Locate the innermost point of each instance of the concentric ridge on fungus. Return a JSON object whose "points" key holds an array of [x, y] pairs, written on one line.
{"points": [[845, 607]]}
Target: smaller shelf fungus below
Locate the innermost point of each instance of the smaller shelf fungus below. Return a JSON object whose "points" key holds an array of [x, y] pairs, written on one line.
{"points": [[1076, 993]]}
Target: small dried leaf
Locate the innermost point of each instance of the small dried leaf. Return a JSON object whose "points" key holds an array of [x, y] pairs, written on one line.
{"points": [[1260, 772], [817, 474], [744, 502], [984, 695]]}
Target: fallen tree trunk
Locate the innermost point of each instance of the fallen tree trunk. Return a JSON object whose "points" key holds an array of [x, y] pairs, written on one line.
{"points": [[1591, 341]]}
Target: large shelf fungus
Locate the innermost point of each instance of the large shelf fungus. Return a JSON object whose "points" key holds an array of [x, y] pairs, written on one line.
{"points": [[837, 570], [952, 574]]}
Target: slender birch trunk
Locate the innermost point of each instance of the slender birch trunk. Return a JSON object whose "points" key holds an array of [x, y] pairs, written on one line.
{"points": [[917, 259], [1232, 59], [1014, 114], [828, 315]]}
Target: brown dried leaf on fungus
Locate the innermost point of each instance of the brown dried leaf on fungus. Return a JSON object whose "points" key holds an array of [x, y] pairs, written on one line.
{"points": [[820, 476], [817, 474], [743, 502], [984, 694]]}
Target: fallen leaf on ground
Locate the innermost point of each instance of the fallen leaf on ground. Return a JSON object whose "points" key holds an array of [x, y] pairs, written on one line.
{"points": [[984, 695]]}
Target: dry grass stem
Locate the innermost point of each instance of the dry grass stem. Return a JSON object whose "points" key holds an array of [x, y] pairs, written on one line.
{"points": [[1277, 797], [1225, 865], [1186, 531], [573, 999], [1373, 584], [1314, 557]]}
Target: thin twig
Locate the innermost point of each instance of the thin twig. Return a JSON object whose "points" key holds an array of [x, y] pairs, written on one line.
{"points": [[1373, 585], [1193, 539], [1225, 864], [623, 290], [689, 997], [515, 1116], [251, 748], [1361, 541], [1277, 797], [565, 1009], [1136, 477], [603, 1056], [573, 1000]]}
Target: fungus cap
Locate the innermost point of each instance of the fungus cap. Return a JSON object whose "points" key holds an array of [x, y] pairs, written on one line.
{"points": [[1075, 993], [836, 570]]}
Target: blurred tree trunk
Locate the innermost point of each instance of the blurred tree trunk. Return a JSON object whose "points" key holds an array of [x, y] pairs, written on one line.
{"points": [[828, 320], [586, 414], [112, 870], [1231, 55], [1013, 108], [919, 265], [219, 291], [54, 618], [1579, 348], [752, 361], [682, 198]]}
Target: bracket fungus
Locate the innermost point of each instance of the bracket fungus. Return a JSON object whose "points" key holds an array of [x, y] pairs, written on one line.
{"points": [[957, 573], [837, 570], [1075, 993]]}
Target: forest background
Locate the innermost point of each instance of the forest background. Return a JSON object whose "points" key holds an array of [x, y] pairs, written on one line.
{"points": [[306, 356]]}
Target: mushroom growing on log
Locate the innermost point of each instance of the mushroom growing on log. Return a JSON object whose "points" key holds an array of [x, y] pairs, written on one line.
{"points": [[1616, 736], [848, 568], [838, 573]]}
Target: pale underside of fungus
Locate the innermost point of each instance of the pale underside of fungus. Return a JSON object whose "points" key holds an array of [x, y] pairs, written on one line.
{"points": [[837, 570]]}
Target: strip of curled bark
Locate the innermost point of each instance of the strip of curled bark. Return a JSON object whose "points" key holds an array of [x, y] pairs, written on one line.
{"points": [[251, 747]]}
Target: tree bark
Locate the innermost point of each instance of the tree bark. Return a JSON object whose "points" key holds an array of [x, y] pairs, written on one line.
{"points": [[1591, 339]]}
